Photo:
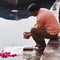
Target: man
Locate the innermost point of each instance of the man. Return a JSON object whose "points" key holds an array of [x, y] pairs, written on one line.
{"points": [[46, 27]]}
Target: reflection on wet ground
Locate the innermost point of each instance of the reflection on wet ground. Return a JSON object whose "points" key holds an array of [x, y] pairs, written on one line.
{"points": [[29, 53], [49, 54]]}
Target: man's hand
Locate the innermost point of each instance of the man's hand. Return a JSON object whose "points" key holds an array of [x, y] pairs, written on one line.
{"points": [[27, 35]]}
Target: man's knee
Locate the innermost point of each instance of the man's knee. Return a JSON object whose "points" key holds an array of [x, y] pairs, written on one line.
{"points": [[33, 30]]}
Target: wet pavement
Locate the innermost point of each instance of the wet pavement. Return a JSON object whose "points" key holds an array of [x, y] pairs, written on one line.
{"points": [[50, 53]]}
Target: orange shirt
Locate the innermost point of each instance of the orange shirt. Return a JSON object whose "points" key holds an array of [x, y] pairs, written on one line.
{"points": [[46, 19]]}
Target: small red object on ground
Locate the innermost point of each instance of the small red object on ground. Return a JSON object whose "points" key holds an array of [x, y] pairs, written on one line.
{"points": [[7, 54], [13, 55], [27, 49]]}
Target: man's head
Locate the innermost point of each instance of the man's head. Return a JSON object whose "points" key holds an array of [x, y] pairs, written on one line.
{"points": [[33, 9]]}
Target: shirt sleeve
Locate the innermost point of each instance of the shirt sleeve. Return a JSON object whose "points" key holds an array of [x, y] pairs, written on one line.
{"points": [[40, 21]]}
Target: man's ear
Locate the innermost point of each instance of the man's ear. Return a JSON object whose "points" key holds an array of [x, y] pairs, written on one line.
{"points": [[36, 11]]}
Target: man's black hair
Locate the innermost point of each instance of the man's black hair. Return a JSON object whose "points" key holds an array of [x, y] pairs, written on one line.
{"points": [[33, 7]]}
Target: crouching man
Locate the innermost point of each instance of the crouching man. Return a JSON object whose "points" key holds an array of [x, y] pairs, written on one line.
{"points": [[46, 26]]}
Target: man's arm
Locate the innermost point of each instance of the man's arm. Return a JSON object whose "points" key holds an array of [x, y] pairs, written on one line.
{"points": [[27, 35]]}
